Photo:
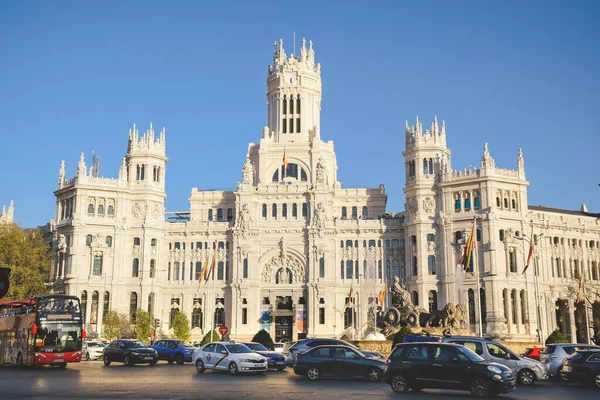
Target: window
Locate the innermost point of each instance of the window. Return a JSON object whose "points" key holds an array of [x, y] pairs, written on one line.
{"points": [[152, 268], [477, 203], [229, 214], [94, 313], [220, 270], [274, 211], [457, 205], [110, 211], [284, 108], [497, 351], [197, 318], [322, 267], [295, 210], [97, 269], [133, 305], [220, 215], [413, 240], [244, 316], [431, 265], [387, 243], [136, 241], [418, 352], [458, 236], [505, 203], [106, 307], [514, 204], [372, 243], [365, 212], [498, 202], [210, 215], [415, 297], [83, 303], [430, 237], [245, 269], [264, 211], [176, 268], [342, 269], [512, 260], [415, 265], [478, 235], [501, 236], [344, 213], [379, 270], [284, 210], [348, 243], [395, 243], [100, 209], [354, 212], [433, 306], [304, 209], [136, 268], [348, 317], [471, 300], [321, 315], [90, 209], [467, 203], [88, 240], [349, 269]]}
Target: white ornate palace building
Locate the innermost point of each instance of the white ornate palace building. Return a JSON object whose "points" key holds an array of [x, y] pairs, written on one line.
{"points": [[299, 255]]}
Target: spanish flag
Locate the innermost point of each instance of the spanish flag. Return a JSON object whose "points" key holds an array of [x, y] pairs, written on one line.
{"points": [[531, 249], [581, 287], [212, 266], [203, 271], [351, 288], [285, 163], [382, 296], [465, 260]]}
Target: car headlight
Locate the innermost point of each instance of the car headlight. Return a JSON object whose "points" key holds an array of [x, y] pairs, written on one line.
{"points": [[245, 360], [494, 369]]}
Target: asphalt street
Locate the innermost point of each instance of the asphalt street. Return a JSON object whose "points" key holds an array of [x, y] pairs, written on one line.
{"points": [[92, 380]]}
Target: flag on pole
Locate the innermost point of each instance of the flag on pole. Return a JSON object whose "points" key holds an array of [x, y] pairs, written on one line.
{"points": [[285, 163], [351, 288], [382, 295], [212, 266], [465, 260], [531, 249], [580, 293], [202, 271]]}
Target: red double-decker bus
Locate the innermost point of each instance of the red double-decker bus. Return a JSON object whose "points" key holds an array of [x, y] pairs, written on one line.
{"points": [[45, 330]]}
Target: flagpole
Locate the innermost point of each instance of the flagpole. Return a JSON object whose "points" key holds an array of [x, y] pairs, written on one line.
{"points": [[585, 310], [476, 251]]}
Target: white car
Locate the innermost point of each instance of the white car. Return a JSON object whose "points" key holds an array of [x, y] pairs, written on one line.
{"points": [[228, 356], [92, 350]]}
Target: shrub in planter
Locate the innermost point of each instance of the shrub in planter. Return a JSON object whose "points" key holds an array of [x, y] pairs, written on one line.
{"points": [[212, 336], [263, 337], [556, 337]]}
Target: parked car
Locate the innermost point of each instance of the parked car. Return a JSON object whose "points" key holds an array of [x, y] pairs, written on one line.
{"points": [[306, 344], [533, 352], [526, 370], [274, 359], [228, 356], [338, 361], [92, 350], [583, 367], [279, 347], [129, 351], [554, 354], [173, 350], [419, 338], [415, 366]]}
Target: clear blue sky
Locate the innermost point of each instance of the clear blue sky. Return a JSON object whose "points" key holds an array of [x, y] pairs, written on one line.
{"points": [[74, 77]]}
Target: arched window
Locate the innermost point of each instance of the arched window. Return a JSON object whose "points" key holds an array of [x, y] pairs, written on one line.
{"points": [[197, 318], [348, 243], [94, 311], [379, 270], [501, 235], [210, 215], [505, 202], [431, 265], [220, 313], [109, 241], [395, 243], [274, 211], [498, 204], [97, 267], [457, 205], [401, 243], [342, 244], [137, 241], [292, 171], [365, 212], [90, 209], [402, 271], [88, 240], [100, 209], [344, 213], [467, 203], [220, 215], [396, 268], [430, 162], [303, 177], [349, 269], [176, 268], [172, 316], [152, 268], [230, 214], [348, 317], [133, 305], [356, 243], [284, 210], [295, 210], [354, 212], [84, 304], [387, 243], [322, 267], [430, 237], [106, 307], [425, 167], [264, 211], [478, 235], [245, 270], [284, 103], [458, 236], [514, 204], [276, 176], [298, 105], [477, 203], [136, 268]]}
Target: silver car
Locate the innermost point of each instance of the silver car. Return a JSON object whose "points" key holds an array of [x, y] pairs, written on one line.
{"points": [[306, 344], [525, 369], [554, 354], [92, 350]]}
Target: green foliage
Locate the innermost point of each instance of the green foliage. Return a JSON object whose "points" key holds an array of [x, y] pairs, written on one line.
{"points": [[143, 325], [211, 336], [556, 337], [181, 326], [402, 333], [263, 337], [345, 338], [111, 325], [28, 256]]}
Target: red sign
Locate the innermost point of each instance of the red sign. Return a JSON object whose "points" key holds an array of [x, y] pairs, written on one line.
{"points": [[223, 330], [4, 283]]}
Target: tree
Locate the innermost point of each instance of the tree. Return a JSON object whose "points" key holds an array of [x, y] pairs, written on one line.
{"points": [[125, 326], [28, 256], [263, 337], [111, 325], [401, 334], [143, 325], [556, 337], [181, 326], [211, 336]]}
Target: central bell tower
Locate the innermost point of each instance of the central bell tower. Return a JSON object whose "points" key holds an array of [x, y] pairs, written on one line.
{"points": [[293, 94]]}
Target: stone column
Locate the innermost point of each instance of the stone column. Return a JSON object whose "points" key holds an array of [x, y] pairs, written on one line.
{"points": [[508, 308], [572, 328], [517, 306]]}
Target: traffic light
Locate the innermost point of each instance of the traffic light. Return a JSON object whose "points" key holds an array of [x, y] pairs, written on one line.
{"points": [[4, 281], [156, 322]]}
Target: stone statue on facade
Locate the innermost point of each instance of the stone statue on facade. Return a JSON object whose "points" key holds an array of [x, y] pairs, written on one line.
{"points": [[244, 218], [62, 243], [320, 217], [321, 171], [248, 173]]}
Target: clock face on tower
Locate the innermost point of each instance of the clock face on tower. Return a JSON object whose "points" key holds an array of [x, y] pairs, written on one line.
{"points": [[291, 79]]}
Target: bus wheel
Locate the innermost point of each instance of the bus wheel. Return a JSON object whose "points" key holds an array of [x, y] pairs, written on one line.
{"points": [[62, 366]]}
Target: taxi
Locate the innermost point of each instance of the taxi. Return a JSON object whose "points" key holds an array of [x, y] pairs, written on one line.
{"points": [[228, 356]]}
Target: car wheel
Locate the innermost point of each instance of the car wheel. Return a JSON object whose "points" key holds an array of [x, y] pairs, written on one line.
{"points": [[128, 360], [597, 381], [374, 374], [526, 377], [313, 374], [87, 357], [233, 369], [153, 363], [179, 359], [480, 388], [399, 384], [280, 368], [106, 360], [199, 366]]}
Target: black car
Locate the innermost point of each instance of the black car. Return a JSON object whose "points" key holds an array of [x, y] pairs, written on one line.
{"points": [[338, 361], [129, 351], [583, 367], [304, 345], [445, 366]]}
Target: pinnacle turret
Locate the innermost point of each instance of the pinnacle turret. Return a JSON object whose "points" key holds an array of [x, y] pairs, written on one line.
{"points": [[415, 135], [486, 158]]}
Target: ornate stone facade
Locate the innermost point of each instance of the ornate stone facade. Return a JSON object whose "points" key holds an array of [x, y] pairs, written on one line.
{"points": [[287, 245]]}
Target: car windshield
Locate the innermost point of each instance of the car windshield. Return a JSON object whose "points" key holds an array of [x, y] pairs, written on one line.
{"points": [[238, 348], [575, 356], [257, 347], [184, 343], [470, 354], [135, 344], [95, 344]]}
